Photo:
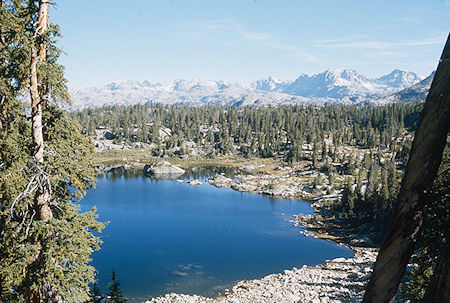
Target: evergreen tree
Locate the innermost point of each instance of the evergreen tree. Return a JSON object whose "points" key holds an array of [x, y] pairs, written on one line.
{"points": [[294, 153], [348, 199], [96, 295], [314, 160], [115, 294], [45, 167]]}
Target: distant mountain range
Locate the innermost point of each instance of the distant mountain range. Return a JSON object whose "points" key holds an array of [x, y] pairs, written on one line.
{"points": [[333, 86]]}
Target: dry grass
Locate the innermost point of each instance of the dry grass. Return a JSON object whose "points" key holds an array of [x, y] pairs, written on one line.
{"points": [[136, 157]]}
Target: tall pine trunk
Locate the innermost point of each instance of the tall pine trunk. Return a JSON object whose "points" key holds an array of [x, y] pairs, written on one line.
{"points": [[424, 160], [3, 117], [39, 55], [42, 198]]}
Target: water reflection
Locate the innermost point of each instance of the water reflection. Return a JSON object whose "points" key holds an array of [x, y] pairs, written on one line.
{"points": [[197, 172], [204, 172]]}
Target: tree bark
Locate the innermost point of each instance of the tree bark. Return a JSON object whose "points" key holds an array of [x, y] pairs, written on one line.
{"points": [[42, 205], [424, 160], [3, 117]]}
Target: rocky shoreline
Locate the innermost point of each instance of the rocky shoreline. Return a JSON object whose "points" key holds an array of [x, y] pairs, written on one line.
{"points": [[338, 280], [284, 184], [284, 181]]}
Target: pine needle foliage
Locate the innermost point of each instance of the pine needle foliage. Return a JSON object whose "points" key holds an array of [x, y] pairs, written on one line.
{"points": [[41, 261]]}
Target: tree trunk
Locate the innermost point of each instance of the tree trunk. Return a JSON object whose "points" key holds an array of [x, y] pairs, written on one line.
{"points": [[42, 198], [424, 160], [3, 117]]}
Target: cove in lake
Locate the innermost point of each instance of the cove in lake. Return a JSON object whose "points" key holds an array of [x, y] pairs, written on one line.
{"points": [[165, 236]]}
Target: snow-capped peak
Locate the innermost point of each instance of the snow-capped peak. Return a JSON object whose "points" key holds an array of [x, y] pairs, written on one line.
{"points": [[344, 73], [400, 79], [334, 83], [270, 84]]}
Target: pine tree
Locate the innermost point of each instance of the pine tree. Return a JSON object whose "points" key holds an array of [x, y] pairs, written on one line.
{"points": [[115, 294], [45, 167], [315, 163], [96, 295], [348, 199]]}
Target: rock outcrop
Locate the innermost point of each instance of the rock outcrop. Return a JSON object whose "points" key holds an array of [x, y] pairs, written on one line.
{"points": [[220, 181], [194, 182], [103, 169], [162, 169], [282, 185]]}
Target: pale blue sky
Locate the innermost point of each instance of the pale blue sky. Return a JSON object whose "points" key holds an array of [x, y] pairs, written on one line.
{"points": [[245, 40]]}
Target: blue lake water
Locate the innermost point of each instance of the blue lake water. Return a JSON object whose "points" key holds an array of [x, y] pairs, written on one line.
{"points": [[165, 236]]}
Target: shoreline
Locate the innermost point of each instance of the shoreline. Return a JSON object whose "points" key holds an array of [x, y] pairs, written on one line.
{"points": [[337, 280]]}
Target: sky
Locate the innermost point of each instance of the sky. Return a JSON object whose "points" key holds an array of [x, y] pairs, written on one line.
{"points": [[245, 40]]}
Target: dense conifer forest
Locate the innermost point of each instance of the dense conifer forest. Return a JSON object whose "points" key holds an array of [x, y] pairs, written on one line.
{"points": [[260, 132]]}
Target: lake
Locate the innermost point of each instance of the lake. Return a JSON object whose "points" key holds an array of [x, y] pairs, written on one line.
{"points": [[165, 236]]}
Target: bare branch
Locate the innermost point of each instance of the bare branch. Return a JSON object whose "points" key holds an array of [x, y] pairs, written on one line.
{"points": [[29, 224], [23, 194]]}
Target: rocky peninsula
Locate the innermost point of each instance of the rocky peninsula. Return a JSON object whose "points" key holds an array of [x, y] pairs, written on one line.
{"points": [[299, 181]]}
